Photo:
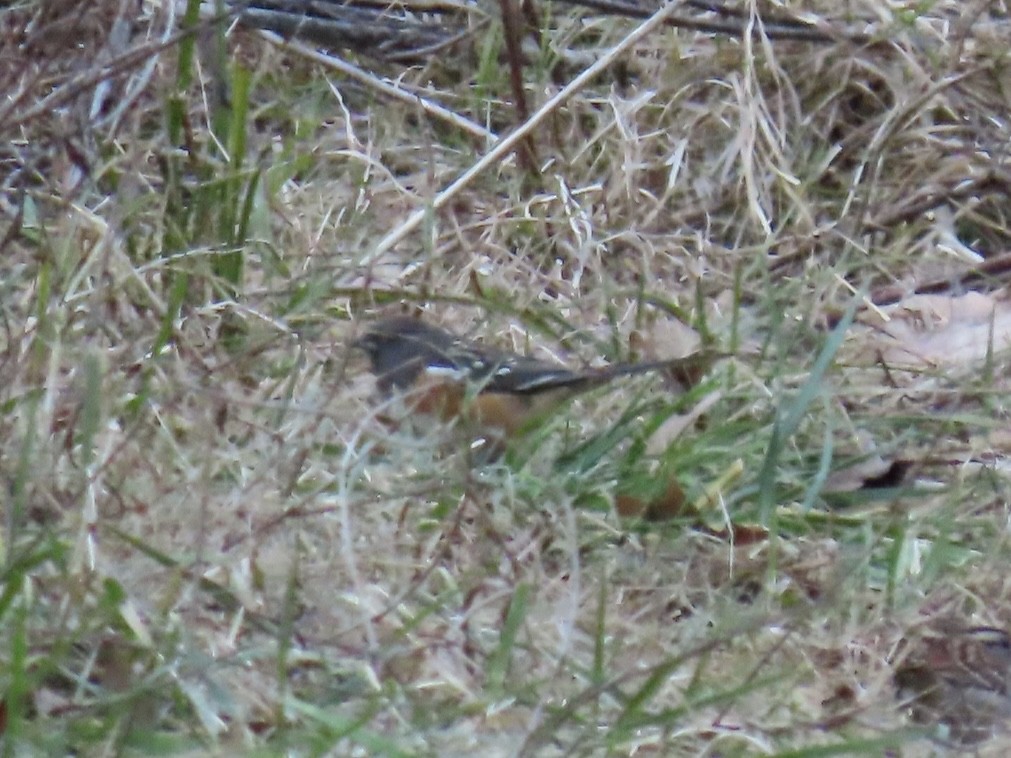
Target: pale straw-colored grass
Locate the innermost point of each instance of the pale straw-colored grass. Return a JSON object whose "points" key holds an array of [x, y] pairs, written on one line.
{"points": [[216, 539]]}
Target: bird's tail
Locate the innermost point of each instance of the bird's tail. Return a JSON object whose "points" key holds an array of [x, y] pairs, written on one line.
{"points": [[686, 372]]}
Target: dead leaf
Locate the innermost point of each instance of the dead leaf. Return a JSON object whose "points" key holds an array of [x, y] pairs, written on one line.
{"points": [[872, 473], [931, 331], [667, 505], [665, 338], [677, 423]]}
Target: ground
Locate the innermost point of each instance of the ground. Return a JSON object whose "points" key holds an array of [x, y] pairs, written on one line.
{"points": [[219, 537]]}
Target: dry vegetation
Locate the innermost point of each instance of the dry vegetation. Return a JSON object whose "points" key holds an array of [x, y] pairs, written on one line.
{"points": [[212, 540]]}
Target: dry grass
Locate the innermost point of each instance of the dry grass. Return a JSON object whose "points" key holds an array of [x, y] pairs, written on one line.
{"points": [[211, 541]]}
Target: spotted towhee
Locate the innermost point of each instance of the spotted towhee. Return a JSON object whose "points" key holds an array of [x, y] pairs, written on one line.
{"points": [[444, 375]]}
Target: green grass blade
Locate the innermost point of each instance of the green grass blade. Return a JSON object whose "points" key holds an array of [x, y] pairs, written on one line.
{"points": [[498, 661], [791, 413]]}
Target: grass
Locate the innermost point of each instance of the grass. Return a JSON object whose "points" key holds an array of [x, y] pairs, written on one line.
{"points": [[213, 542]]}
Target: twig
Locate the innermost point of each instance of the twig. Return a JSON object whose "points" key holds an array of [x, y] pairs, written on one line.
{"points": [[368, 31], [382, 86], [73, 86], [509, 142], [512, 31], [771, 27]]}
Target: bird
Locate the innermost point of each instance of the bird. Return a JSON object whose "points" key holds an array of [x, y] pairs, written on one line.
{"points": [[503, 392]]}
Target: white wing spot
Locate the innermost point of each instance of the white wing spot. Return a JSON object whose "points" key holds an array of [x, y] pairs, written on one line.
{"points": [[446, 372]]}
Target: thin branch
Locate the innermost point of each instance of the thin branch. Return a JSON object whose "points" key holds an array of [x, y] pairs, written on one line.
{"points": [[382, 86], [771, 27], [509, 143]]}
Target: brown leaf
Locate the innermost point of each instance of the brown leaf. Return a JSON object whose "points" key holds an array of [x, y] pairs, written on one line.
{"points": [[929, 331], [667, 505]]}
